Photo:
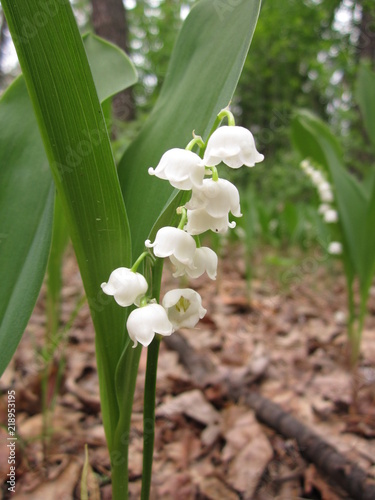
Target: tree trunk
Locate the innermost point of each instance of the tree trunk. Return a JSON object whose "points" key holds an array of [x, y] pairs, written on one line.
{"points": [[110, 22], [366, 41], [3, 27]]}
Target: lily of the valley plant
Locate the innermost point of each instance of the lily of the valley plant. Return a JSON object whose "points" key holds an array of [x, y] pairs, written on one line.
{"points": [[211, 202], [347, 204]]}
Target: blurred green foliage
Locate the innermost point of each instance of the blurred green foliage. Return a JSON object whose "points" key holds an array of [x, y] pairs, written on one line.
{"points": [[303, 54]]}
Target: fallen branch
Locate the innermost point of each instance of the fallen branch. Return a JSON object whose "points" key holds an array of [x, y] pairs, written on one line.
{"points": [[313, 448]]}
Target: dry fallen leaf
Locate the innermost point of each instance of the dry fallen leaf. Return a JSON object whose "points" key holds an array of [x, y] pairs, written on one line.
{"points": [[248, 453], [192, 404], [62, 487]]}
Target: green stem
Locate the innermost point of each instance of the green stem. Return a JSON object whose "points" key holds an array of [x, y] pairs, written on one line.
{"points": [[45, 415], [183, 220], [196, 140], [150, 392], [357, 334], [149, 416], [197, 240], [352, 333], [126, 377], [140, 260], [214, 173], [225, 113]]}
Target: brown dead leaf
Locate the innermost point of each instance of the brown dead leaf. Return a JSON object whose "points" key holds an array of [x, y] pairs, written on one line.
{"points": [[82, 379], [212, 489], [4, 454], [335, 386], [62, 487], [184, 450], [247, 451], [210, 435], [7, 378], [314, 480], [247, 468], [177, 482], [192, 404], [368, 346]]}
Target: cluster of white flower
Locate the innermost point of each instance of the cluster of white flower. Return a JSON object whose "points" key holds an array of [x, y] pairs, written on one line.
{"points": [[212, 198], [325, 193], [208, 209]]}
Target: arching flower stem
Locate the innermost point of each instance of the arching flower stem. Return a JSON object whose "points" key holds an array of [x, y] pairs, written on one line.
{"points": [[197, 140], [144, 301], [140, 260], [183, 212], [225, 113], [214, 173]]}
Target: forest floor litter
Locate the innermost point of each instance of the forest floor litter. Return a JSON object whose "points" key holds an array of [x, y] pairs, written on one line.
{"points": [[283, 336]]}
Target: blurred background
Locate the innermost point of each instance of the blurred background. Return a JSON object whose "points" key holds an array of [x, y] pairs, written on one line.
{"points": [[304, 54]]}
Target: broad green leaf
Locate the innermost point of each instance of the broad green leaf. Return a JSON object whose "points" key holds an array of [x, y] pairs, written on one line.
{"points": [[203, 73], [104, 59], [314, 139], [369, 234], [365, 97], [54, 280], [63, 93], [111, 69], [27, 192], [26, 206]]}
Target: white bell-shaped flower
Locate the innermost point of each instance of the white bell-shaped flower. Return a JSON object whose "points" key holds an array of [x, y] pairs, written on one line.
{"points": [[173, 241], [335, 248], [307, 167], [323, 185], [199, 221], [323, 208], [317, 177], [235, 146], [331, 216], [305, 164], [125, 286], [325, 192], [182, 168], [326, 196], [184, 307], [218, 198], [144, 322], [205, 260]]}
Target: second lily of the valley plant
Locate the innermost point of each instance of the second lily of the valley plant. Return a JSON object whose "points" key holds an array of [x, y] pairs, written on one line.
{"points": [[211, 201]]}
